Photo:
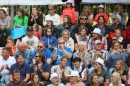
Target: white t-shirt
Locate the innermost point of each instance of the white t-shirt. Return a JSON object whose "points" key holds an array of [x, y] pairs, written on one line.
{"points": [[32, 42], [56, 19], [10, 61]]}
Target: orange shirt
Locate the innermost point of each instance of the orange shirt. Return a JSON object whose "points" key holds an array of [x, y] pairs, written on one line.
{"points": [[11, 52]]}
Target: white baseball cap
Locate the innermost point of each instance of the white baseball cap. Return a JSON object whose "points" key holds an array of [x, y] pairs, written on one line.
{"points": [[97, 30], [5, 9], [74, 73], [49, 19], [119, 17], [101, 6], [101, 61], [70, 1], [98, 41], [53, 75]]}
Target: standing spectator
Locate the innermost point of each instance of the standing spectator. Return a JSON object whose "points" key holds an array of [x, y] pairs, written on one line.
{"points": [[36, 17], [62, 51], [42, 68], [88, 11], [101, 11], [16, 79], [67, 24], [69, 10], [42, 48], [69, 42], [30, 40], [53, 15], [83, 23], [5, 24], [101, 25], [118, 10], [97, 36], [49, 39], [24, 68], [5, 63], [36, 32], [62, 69]]}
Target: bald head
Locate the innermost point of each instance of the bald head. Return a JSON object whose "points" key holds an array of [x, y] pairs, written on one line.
{"points": [[21, 46]]}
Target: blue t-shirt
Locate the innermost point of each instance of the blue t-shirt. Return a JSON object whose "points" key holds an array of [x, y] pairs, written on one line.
{"points": [[60, 54], [47, 53], [45, 67], [24, 69]]}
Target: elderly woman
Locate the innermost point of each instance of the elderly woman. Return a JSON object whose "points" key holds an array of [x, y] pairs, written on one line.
{"points": [[116, 80], [55, 80], [74, 79]]}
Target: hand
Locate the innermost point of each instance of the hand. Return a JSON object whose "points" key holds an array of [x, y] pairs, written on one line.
{"points": [[55, 69], [2, 67], [49, 46], [17, 25], [6, 67], [35, 16], [35, 68], [119, 50], [2, 27], [62, 47], [40, 66], [63, 70], [99, 54], [80, 79]]}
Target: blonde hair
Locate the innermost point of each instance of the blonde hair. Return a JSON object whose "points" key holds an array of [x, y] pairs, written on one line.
{"points": [[36, 26], [10, 38], [86, 9], [122, 67], [60, 39], [117, 75], [84, 45], [66, 31], [32, 79]]}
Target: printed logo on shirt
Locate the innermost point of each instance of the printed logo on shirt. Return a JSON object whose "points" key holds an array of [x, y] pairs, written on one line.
{"points": [[31, 43]]}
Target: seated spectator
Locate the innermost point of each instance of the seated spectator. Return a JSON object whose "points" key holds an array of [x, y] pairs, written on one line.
{"points": [[94, 80], [49, 23], [62, 69], [101, 72], [53, 15], [80, 69], [35, 80], [67, 24], [101, 11], [42, 48], [5, 24], [5, 63], [69, 10], [16, 79], [119, 10], [69, 42], [121, 70], [24, 68], [55, 80], [36, 32], [81, 37], [36, 17], [1, 84], [117, 25], [49, 39], [88, 11], [82, 54], [30, 40], [26, 52], [83, 22], [10, 45], [116, 53], [116, 80], [101, 25], [62, 51], [73, 79], [97, 36], [42, 68]]}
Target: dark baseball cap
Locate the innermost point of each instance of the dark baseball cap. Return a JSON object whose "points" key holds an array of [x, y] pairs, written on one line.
{"points": [[29, 28]]}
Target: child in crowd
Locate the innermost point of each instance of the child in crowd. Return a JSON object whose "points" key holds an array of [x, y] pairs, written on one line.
{"points": [[36, 32]]}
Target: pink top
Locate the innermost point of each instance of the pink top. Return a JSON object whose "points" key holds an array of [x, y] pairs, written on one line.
{"points": [[79, 84]]}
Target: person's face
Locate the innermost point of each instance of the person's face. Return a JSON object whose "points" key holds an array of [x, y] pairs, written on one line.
{"points": [[81, 47], [119, 9], [101, 20], [41, 47], [118, 66], [49, 23], [34, 11], [68, 5], [96, 65], [19, 13], [95, 35], [128, 46], [21, 48], [37, 57], [65, 20], [117, 46], [65, 35], [49, 32], [73, 79], [117, 34], [55, 80], [30, 33], [4, 53], [10, 42], [64, 62], [51, 10], [83, 32], [61, 43], [20, 60], [36, 78], [100, 10], [114, 79], [95, 79], [16, 77], [83, 20], [77, 63], [2, 14], [115, 19], [98, 46]]}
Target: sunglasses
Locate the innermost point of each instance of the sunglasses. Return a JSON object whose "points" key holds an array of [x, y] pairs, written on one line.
{"points": [[36, 56], [39, 46], [114, 18], [50, 9], [96, 64], [84, 18], [62, 43]]}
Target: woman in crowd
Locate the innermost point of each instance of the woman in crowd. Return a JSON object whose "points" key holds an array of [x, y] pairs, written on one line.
{"points": [[101, 11], [49, 39], [69, 10], [10, 45], [35, 80], [55, 80], [82, 54], [116, 80], [81, 37], [69, 42], [73, 79], [121, 70], [116, 53], [94, 80], [36, 32], [88, 11], [101, 25]]}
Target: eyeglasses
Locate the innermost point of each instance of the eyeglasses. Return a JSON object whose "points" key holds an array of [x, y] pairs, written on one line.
{"points": [[84, 18], [39, 46], [62, 43], [50, 9], [114, 18], [36, 56]]}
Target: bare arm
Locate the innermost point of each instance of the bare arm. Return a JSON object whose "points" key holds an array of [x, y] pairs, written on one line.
{"points": [[10, 78], [45, 75], [27, 78], [8, 25], [107, 35], [69, 55], [49, 60]]}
